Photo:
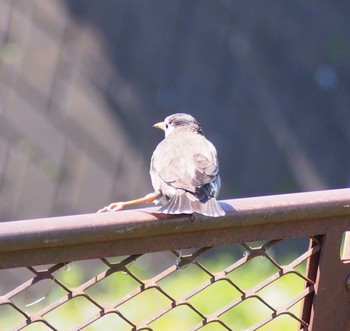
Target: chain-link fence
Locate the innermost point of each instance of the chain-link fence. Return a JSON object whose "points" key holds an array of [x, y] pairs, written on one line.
{"points": [[270, 264]]}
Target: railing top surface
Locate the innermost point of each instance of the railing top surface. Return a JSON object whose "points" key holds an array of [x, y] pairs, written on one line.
{"points": [[61, 239], [136, 223]]}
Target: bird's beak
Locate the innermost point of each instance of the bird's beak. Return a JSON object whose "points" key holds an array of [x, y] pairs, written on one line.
{"points": [[159, 125]]}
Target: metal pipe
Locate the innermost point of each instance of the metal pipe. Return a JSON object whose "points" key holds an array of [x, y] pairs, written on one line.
{"points": [[60, 239]]}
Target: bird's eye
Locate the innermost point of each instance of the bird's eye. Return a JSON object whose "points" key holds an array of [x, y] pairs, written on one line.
{"points": [[166, 126]]}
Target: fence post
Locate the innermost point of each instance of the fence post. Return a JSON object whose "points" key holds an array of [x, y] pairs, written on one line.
{"points": [[311, 273], [331, 304]]}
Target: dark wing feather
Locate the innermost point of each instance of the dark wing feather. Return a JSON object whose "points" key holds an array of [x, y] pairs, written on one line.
{"points": [[206, 170]]}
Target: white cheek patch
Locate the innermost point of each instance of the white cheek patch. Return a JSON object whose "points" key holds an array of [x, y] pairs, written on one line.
{"points": [[169, 130]]}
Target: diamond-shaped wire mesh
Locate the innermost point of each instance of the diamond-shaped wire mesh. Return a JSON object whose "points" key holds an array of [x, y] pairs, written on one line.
{"points": [[246, 286]]}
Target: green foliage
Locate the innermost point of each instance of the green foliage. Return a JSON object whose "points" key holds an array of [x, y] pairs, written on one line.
{"points": [[176, 289]]}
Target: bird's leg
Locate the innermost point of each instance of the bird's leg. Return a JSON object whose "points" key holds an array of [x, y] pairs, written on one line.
{"points": [[193, 217], [115, 206]]}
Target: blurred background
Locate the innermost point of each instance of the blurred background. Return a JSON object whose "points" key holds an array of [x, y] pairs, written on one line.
{"points": [[82, 82]]}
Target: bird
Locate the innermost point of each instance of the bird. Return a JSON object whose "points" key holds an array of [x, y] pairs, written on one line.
{"points": [[184, 171]]}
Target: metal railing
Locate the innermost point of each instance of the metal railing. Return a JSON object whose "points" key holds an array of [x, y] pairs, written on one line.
{"points": [[148, 271]]}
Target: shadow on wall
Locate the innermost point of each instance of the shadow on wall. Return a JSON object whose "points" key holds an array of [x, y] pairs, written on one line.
{"points": [[269, 83]]}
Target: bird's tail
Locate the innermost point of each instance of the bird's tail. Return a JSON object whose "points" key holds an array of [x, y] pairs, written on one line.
{"points": [[186, 203]]}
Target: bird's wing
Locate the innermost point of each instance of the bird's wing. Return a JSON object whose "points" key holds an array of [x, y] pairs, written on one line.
{"points": [[206, 169], [187, 167]]}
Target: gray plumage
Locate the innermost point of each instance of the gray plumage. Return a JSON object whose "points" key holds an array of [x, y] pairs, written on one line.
{"points": [[184, 169]]}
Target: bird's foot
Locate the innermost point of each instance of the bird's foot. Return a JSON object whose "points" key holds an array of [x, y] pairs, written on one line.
{"points": [[114, 206]]}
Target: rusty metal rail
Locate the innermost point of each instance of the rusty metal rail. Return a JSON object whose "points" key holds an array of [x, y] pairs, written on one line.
{"points": [[117, 243]]}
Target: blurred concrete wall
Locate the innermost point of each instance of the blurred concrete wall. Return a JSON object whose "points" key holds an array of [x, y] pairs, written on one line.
{"points": [[82, 82]]}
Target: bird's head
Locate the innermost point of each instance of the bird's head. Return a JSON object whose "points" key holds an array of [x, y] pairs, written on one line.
{"points": [[179, 120]]}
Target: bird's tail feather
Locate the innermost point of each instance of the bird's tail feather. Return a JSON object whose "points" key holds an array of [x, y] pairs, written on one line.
{"points": [[186, 203]]}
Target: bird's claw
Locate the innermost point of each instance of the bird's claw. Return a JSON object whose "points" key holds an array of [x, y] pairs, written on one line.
{"points": [[115, 206]]}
